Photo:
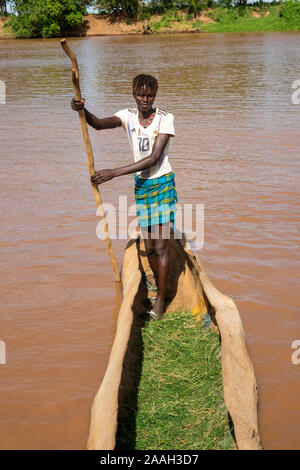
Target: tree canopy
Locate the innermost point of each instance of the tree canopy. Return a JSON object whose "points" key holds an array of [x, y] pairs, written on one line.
{"points": [[46, 18]]}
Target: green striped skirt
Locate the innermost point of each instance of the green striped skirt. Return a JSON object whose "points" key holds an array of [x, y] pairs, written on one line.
{"points": [[156, 200]]}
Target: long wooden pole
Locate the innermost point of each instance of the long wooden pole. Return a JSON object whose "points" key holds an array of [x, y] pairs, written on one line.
{"points": [[100, 212]]}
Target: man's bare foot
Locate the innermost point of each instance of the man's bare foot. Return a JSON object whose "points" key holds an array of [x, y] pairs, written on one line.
{"points": [[158, 308], [154, 316]]}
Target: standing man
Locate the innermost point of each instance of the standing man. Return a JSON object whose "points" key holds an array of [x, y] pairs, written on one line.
{"points": [[149, 130]]}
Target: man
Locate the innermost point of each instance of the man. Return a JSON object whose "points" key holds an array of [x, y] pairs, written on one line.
{"points": [[148, 130]]}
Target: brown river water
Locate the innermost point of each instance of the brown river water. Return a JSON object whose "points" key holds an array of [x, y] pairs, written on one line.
{"points": [[236, 151]]}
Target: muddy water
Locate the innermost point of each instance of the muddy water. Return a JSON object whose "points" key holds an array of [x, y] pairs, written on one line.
{"points": [[236, 151]]}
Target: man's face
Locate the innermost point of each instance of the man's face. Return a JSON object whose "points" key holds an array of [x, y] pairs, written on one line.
{"points": [[144, 99]]}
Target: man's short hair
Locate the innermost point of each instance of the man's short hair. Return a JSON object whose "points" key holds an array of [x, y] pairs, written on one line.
{"points": [[144, 81]]}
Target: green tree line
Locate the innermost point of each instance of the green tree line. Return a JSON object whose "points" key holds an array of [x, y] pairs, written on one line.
{"points": [[60, 12], [135, 7], [52, 18]]}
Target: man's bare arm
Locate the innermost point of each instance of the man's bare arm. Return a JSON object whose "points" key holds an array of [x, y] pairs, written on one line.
{"points": [[102, 176], [147, 162], [93, 121]]}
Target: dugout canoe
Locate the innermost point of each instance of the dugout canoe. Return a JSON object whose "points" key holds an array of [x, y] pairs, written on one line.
{"points": [[190, 288]]}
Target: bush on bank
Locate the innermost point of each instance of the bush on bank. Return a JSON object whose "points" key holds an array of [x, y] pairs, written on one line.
{"points": [[290, 13], [45, 18]]}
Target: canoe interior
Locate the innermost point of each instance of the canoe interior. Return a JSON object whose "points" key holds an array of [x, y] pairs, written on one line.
{"points": [[189, 289]]}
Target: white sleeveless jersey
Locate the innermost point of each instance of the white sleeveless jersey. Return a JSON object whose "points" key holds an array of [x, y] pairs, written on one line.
{"points": [[142, 139]]}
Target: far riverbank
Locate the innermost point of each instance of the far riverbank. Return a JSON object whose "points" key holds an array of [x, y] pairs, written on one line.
{"points": [[251, 18]]}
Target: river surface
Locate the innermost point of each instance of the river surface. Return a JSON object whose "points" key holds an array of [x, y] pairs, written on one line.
{"points": [[236, 151]]}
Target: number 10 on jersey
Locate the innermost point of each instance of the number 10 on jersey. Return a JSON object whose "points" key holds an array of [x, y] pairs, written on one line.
{"points": [[144, 144]]}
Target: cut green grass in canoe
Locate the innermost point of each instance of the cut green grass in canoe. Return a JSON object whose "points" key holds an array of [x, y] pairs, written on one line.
{"points": [[178, 402]]}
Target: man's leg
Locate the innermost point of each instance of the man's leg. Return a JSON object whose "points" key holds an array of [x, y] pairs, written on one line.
{"points": [[162, 255], [157, 249], [150, 250]]}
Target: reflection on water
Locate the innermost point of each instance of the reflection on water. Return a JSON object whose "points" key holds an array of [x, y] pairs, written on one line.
{"points": [[236, 151]]}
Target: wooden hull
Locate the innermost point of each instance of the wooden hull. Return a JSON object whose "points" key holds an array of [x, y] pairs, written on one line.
{"points": [[190, 289]]}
